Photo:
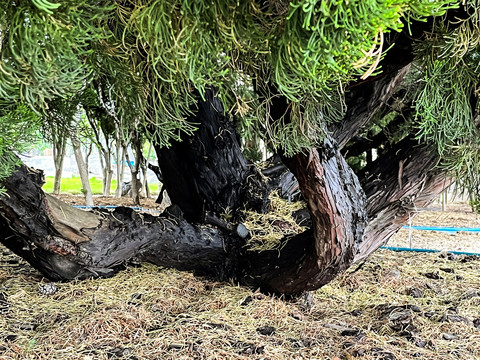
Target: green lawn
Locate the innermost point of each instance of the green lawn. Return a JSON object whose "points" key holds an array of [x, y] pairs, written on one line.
{"points": [[73, 185]]}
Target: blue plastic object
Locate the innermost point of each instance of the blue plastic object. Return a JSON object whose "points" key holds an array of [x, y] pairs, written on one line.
{"points": [[442, 228], [392, 248]]}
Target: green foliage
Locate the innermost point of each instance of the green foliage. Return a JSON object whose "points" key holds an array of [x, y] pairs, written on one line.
{"points": [[150, 60], [8, 164], [19, 129], [447, 103], [73, 185], [143, 64], [475, 204], [43, 54]]}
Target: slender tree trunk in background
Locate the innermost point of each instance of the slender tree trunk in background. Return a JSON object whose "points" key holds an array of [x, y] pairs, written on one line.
{"points": [[82, 169], [105, 156], [144, 167], [120, 160], [135, 167], [59, 149], [107, 174], [145, 187], [87, 155], [103, 143]]}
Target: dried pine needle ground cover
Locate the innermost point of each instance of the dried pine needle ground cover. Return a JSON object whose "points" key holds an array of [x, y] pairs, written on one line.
{"points": [[396, 306]]}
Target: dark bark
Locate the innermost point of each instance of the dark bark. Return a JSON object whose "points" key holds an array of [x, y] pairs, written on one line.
{"points": [[66, 243], [206, 172], [158, 174], [156, 170], [365, 97], [99, 243], [363, 101], [207, 176], [337, 206], [396, 185]]}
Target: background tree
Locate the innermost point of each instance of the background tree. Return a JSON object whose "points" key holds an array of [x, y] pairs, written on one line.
{"points": [[103, 130], [79, 133], [313, 79]]}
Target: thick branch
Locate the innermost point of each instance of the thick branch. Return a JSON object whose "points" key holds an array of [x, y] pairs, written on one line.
{"points": [[66, 243], [206, 171], [396, 184], [363, 101], [337, 205]]}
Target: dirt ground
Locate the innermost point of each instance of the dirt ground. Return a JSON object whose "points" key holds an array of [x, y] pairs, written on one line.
{"points": [[396, 306], [147, 203]]}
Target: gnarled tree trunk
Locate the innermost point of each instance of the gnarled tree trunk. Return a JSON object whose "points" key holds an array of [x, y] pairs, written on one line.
{"points": [[207, 177]]}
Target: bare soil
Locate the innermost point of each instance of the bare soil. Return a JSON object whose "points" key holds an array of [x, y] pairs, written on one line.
{"points": [[148, 203]]}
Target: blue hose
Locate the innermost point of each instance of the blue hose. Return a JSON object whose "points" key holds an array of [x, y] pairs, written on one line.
{"points": [[442, 228], [112, 207], [104, 207], [393, 248]]}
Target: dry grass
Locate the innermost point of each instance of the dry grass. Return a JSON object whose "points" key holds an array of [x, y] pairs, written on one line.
{"points": [[269, 229], [153, 313], [396, 306]]}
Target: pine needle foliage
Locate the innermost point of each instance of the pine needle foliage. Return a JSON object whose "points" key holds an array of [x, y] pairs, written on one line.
{"points": [[18, 128], [447, 107], [149, 62], [156, 57]]}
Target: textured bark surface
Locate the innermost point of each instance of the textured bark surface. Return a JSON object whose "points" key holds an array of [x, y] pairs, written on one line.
{"points": [[364, 100], [65, 243], [205, 172], [207, 177], [337, 207], [396, 184]]}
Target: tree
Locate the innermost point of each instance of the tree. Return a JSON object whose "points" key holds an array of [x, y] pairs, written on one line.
{"points": [[102, 135], [313, 79]]}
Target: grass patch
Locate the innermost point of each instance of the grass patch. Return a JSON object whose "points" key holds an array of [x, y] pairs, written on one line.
{"points": [[73, 185]]}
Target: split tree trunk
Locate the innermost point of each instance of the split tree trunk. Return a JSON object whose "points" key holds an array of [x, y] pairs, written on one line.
{"points": [[103, 143]]}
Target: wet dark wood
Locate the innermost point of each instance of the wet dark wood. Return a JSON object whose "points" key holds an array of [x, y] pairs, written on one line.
{"points": [[49, 234], [207, 177], [336, 203]]}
